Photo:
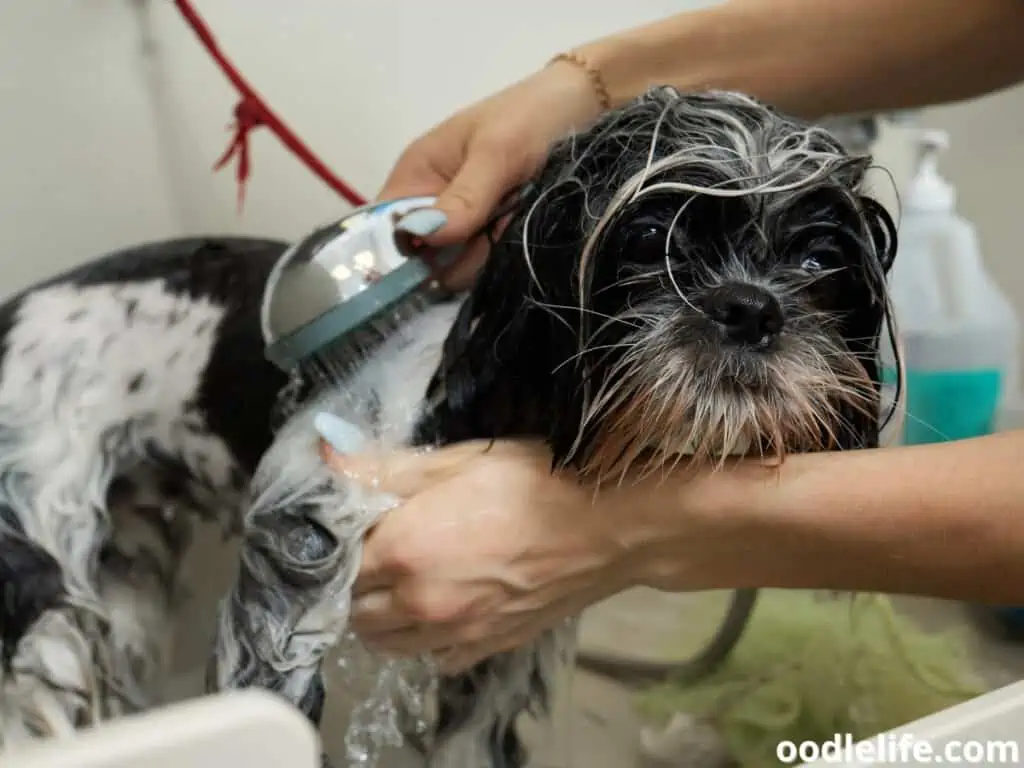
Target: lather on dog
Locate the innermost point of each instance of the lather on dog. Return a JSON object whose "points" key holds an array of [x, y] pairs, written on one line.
{"points": [[694, 276]]}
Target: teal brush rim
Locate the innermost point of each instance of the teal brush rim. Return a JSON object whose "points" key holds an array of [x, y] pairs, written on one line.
{"points": [[290, 351], [293, 350]]}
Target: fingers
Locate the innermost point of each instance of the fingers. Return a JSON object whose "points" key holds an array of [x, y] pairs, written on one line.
{"points": [[386, 624], [459, 659], [402, 473], [491, 168], [416, 640], [374, 579], [415, 173], [469, 175], [374, 611], [463, 639], [409, 640], [461, 274], [473, 195], [416, 181], [462, 210], [446, 643]]}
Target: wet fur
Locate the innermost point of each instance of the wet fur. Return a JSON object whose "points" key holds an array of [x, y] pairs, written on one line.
{"points": [[134, 399], [134, 402]]}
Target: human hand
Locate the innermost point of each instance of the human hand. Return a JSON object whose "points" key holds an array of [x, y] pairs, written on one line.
{"points": [[489, 549], [474, 158]]}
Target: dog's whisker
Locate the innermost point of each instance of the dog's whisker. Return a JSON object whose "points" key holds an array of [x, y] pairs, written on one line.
{"points": [[588, 350]]}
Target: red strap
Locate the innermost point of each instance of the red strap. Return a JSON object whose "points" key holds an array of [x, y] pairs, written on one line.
{"points": [[252, 112]]}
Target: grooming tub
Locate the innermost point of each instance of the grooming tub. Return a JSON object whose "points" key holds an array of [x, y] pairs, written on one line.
{"points": [[256, 730]]}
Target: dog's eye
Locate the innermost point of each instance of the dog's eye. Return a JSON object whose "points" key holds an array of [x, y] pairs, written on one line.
{"points": [[811, 263], [821, 259], [646, 241]]}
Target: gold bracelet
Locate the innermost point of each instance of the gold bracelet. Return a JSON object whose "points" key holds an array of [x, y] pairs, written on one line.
{"points": [[596, 79]]}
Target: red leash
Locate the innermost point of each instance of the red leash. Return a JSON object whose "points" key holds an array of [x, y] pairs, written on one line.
{"points": [[252, 112]]}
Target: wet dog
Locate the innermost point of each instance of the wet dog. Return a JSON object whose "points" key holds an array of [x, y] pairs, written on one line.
{"points": [[691, 277]]}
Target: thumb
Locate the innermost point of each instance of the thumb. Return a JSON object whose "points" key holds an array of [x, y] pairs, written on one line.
{"points": [[412, 176], [471, 197]]}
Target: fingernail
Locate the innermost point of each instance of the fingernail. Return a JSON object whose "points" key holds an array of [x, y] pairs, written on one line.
{"points": [[342, 436], [425, 221]]}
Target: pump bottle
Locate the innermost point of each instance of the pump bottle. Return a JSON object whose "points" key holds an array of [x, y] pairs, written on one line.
{"points": [[957, 330]]}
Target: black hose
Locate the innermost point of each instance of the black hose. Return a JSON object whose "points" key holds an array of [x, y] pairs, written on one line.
{"points": [[636, 672]]}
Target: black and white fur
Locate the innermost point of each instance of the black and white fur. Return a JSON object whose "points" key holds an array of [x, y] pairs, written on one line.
{"points": [[694, 275], [129, 409]]}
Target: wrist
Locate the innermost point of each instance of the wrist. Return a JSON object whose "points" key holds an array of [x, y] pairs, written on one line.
{"points": [[728, 529], [910, 520], [576, 84], [633, 61]]}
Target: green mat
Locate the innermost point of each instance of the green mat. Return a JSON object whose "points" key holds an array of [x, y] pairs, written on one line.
{"points": [[810, 667]]}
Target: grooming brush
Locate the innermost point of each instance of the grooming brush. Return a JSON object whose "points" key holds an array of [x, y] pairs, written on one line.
{"points": [[336, 294], [332, 295]]}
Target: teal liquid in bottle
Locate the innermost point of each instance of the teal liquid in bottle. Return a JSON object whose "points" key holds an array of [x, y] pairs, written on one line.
{"points": [[949, 405], [957, 329]]}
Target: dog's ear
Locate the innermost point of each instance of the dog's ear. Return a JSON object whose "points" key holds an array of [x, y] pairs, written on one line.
{"points": [[880, 227], [860, 426], [882, 230], [497, 372]]}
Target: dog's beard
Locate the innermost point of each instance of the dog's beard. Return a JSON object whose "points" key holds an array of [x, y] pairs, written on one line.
{"points": [[663, 399], [662, 382], [661, 379]]}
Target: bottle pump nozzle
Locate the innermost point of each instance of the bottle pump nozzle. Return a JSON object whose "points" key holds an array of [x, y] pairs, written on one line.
{"points": [[928, 190]]}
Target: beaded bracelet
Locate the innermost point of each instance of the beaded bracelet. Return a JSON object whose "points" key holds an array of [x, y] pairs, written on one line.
{"points": [[596, 79]]}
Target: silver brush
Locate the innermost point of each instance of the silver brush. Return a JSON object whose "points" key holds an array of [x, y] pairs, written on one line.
{"points": [[339, 292]]}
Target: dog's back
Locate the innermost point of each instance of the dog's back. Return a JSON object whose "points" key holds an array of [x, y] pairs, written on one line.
{"points": [[134, 396]]}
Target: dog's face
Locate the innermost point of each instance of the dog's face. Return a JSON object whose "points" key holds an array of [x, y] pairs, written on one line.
{"points": [[695, 275]]}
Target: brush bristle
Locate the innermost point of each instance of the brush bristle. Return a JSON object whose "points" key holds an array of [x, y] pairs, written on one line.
{"points": [[337, 360]]}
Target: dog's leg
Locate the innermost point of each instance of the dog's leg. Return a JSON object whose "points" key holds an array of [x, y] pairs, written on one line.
{"points": [[301, 542], [42, 668], [80, 614], [478, 710], [173, 474], [281, 616], [52, 683], [115, 542], [139, 578]]}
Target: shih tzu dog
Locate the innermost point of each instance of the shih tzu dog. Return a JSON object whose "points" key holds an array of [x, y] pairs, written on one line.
{"points": [[695, 276]]}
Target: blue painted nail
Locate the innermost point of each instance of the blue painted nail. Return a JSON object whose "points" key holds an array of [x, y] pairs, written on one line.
{"points": [[425, 221], [342, 436]]}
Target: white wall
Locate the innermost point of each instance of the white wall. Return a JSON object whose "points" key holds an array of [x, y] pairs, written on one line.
{"points": [[102, 145], [79, 168], [357, 81]]}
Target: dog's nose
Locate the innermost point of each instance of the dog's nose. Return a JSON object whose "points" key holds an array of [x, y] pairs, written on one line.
{"points": [[746, 313]]}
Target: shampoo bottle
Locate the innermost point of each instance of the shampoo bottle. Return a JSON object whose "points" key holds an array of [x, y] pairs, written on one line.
{"points": [[956, 328]]}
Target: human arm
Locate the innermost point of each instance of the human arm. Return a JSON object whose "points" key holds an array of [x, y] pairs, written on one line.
{"points": [[817, 58], [943, 520], [491, 547], [809, 57]]}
